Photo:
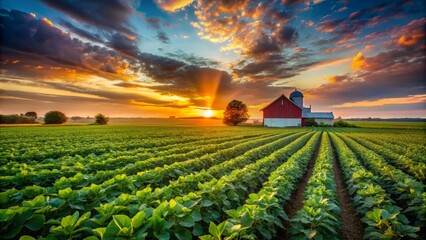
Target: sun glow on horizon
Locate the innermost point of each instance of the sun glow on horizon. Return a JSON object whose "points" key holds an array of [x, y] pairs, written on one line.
{"points": [[208, 113]]}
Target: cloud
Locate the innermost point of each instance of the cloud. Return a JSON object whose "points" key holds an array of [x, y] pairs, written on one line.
{"points": [[36, 42], [155, 23], [173, 5], [193, 59], [342, 9], [359, 61], [391, 74], [338, 78], [344, 29], [162, 37], [412, 34], [251, 28], [108, 15], [411, 99], [81, 32]]}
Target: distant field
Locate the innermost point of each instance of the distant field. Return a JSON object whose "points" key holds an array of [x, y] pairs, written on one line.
{"points": [[180, 182], [378, 124], [139, 122]]}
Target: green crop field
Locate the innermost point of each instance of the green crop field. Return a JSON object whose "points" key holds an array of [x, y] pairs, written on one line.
{"points": [[180, 182]]}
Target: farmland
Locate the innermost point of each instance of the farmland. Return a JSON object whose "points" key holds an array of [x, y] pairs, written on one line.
{"points": [[159, 182]]}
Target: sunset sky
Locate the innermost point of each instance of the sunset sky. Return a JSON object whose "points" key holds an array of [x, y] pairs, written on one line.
{"points": [[156, 58]]}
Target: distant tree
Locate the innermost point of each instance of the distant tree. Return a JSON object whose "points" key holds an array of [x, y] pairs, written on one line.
{"points": [[311, 122], [235, 113], [322, 124], [31, 114], [76, 118], [341, 123], [55, 117], [16, 119], [101, 119]]}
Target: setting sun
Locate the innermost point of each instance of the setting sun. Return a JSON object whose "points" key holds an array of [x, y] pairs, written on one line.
{"points": [[208, 113]]}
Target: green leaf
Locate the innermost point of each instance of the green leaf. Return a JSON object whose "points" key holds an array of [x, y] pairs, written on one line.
{"points": [[82, 219], [70, 220], [213, 230], [26, 237], [36, 222], [164, 235], [187, 221], [122, 221], [6, 215], [11, 233], [246, 220], [198, 230], [183, 234], [37, 202], [138, 219], [196, 215], [99, 231], [91, 238], [206, 203]]}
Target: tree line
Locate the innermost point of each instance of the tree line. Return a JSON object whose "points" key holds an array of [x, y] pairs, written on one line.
{"points": [[51, 117]]}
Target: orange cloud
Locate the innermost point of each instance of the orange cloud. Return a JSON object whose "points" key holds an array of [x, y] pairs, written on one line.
{"points": [[47, 21], [411, 99], [328, 63], [173, 5], [359, 61], [407, 40], [412, 33]]}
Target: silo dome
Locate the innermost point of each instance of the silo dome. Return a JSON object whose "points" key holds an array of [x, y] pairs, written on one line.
{"points": [[295, 94]]}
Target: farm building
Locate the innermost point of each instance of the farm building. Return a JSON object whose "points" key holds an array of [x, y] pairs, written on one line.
{"points": [[285, 112]]}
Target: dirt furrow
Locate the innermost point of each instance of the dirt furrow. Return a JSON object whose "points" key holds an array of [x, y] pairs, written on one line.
{"points": [[352, 228], [296, 200]]}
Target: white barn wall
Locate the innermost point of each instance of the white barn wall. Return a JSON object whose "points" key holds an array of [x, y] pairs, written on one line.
{"points": [[324, 120], [282, 122]]}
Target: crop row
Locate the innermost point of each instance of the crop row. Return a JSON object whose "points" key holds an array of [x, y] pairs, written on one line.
{"points": [[127, 184], [320, 214], [263, 211], [382, 217], [113, 158], [416, 169], [47, 177], [181, 215], [410, 193]]}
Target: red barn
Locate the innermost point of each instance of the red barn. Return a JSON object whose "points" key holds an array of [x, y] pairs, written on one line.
{"points": [[284, 112]]}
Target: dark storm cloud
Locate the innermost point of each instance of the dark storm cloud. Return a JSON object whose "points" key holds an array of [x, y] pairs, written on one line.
{"points": [[124, 44], [39, 42], [162, 37], [109, 15], [82, 32], [193, 59], [292, 2], [348, 27], [155, 23]]}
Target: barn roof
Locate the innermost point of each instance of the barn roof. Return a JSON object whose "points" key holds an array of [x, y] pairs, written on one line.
{"points": [[282, 95], [328, 115]]}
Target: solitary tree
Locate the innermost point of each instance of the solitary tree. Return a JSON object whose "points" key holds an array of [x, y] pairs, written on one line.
{"points": [[55, 117], [235, 113], [31, 114], [101, 119]]}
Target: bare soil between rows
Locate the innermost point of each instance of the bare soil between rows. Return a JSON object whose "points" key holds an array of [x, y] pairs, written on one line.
{"points": [[352, 228], [296, 200]]}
